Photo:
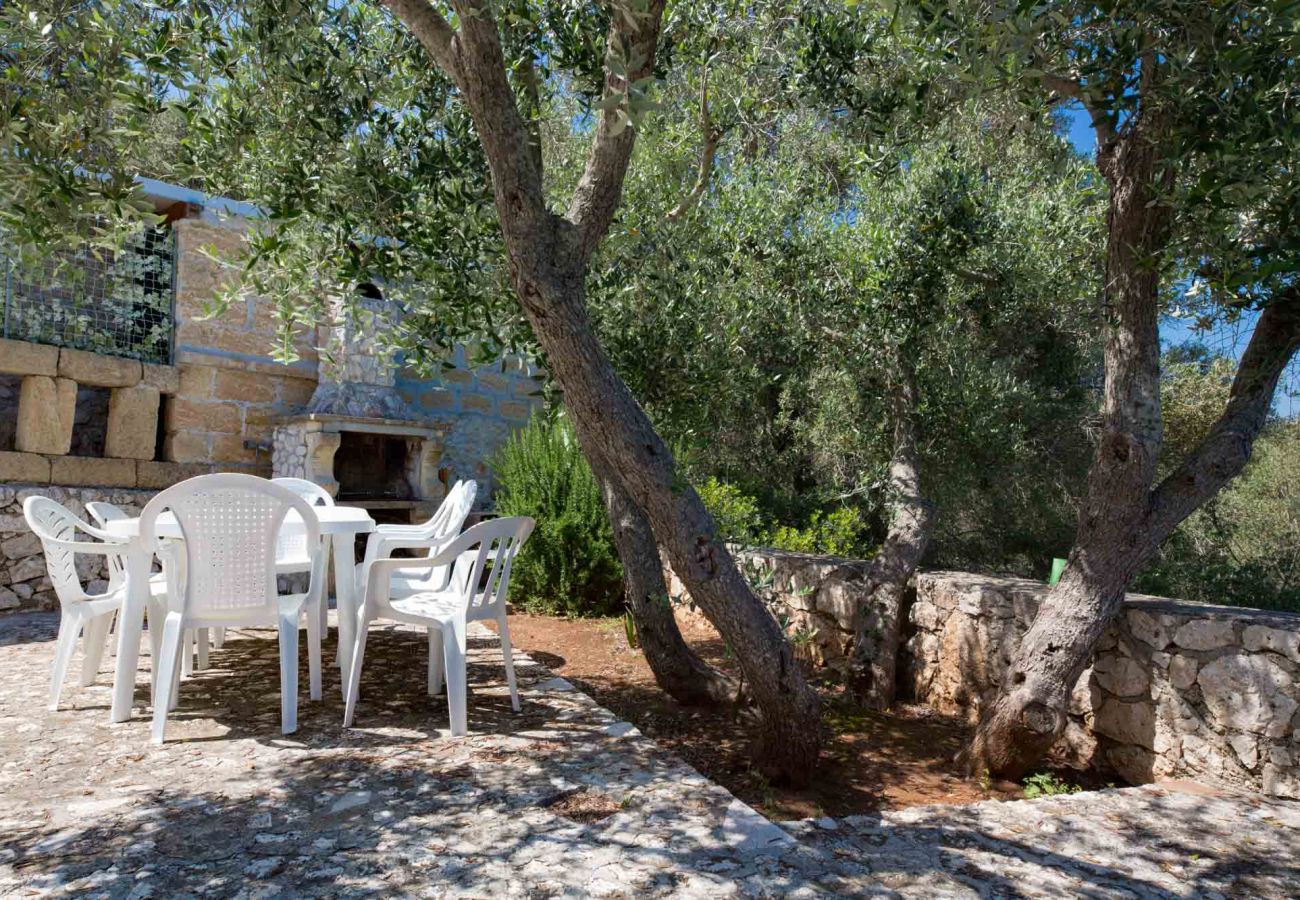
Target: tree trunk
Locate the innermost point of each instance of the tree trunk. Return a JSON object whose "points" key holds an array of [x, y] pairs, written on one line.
{"points": [[879, 618], [548, 256], [619, 440], [677, 668], [1123, 521]]}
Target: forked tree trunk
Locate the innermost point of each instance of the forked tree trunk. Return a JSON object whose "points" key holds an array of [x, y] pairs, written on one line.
{"points": [[676, 667], [911, 522], [548, 256], [1123, 520]]}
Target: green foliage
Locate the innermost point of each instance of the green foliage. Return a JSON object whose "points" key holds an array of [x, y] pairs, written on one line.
{"points": [[569, 566], [735, 513], [1045, 784], [840, 532]]}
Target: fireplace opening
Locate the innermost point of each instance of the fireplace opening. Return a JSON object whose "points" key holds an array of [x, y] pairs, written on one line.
{"points": [[372, 467]]}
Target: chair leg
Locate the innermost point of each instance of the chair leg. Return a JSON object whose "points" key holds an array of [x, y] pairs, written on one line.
{"points": [[289, 672], [155, 615], [112, 633], [313, 654], [435, 662], [354, 674], [69, 629], [92, 648], [453, 649], [169, 658], [218, 638], [203, 650], [508, 654], [187, 653]]}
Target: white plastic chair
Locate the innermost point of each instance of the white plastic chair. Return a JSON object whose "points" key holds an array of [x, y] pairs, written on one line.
{"points": [[429, 536], [292, 553], [59, 532], [231, 524], [479, 562]]}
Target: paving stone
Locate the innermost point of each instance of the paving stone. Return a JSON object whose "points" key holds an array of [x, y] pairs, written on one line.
{"points": [[396, 807]]}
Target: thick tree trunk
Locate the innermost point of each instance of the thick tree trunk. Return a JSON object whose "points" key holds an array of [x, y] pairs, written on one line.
{"points": [[676, 667], [879, 619], [620, 440], [548, 256], [1123, 521]]}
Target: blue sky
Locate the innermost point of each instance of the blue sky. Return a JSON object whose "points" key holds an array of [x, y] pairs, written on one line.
{"points": [[1229, 340]]}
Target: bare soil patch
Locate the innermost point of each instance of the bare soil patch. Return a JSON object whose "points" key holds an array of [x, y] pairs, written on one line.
{"points": [[873, 760]]}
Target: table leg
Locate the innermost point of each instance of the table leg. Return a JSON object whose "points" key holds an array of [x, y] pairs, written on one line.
{"points": [[345, 585], [129, 626]]}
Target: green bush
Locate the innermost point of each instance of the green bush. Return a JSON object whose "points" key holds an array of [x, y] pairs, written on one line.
{"points": [[734, 512], [841, 532], [569, 566]]}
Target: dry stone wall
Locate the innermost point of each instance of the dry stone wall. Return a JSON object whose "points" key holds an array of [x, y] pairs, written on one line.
{"points": [[1176, 690], [23, 581]]}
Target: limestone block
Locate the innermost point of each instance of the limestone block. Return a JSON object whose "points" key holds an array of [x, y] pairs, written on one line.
{"points": [[23, 358], [85, 470], [184, 414], [1128, 723], [132, 423], [20, 467], [437, 398], [1259, 637], [1121, 676], [1086, 694], [187, 447], [1280, 782], [167, 379], [492, 383], [1134, 764], [1204, 634], [230, 448], [245, 387], [8, 599], [1182, 672], [102, 371], [158, 475], [46, 407], [26, 569], [1152, 630], [516, 410], [196, 382], [475, 403], [24, 544], [1248, 693]]}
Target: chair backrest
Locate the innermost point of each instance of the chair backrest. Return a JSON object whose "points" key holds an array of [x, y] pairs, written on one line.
{"points": [[310, 491], [292, 542], [230, 525], [104, 512], [483, 557], [61, 536], [453, 511]]}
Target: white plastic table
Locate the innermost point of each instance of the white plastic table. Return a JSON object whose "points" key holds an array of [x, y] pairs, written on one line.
{"points": [[340, 523]]}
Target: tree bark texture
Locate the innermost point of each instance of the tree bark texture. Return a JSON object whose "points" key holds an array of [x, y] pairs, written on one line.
{"points": [[676, 667], [1123, 519], [911, 523], [548, 256]]}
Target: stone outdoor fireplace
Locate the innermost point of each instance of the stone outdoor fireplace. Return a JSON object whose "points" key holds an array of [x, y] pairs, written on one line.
{"points": [[357, 437]]}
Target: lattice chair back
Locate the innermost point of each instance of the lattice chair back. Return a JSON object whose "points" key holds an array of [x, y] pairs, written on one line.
{"points": [[103, 513], [484, 555], [454, 509], [292, 544], [230, 525], [62, 536]]}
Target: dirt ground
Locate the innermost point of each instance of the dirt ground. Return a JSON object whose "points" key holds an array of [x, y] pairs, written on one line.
{"points": [[874, 760]]}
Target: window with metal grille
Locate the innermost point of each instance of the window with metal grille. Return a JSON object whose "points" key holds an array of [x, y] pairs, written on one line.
{"points": [[118, 304]]}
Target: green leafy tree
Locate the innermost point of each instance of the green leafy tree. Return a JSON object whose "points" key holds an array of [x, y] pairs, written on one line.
{"points": [[1197, 142]]}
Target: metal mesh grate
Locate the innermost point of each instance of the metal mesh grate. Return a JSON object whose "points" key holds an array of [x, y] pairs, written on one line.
{"points": [[91, 299]]}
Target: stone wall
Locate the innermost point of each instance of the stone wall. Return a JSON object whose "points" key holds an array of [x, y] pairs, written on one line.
{"points": [[72, 419], [23, 582], [1176, 690]]}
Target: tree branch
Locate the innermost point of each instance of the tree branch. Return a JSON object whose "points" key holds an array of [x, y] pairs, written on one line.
{"points": [[432, 31], [1226, 449], [1073, 89], [708, 151], [633, 36]]}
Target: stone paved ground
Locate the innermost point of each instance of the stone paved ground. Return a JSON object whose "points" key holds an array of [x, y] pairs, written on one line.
{"points": [[561, 799]]}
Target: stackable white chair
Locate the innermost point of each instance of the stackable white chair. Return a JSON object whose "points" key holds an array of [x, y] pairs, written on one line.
{"points": [[478, 564], [230, 526], [292, 555], [62, 536], [428, 536]]}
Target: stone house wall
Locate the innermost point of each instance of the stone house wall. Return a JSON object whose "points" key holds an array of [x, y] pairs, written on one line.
{"points": [[143, 427]]}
